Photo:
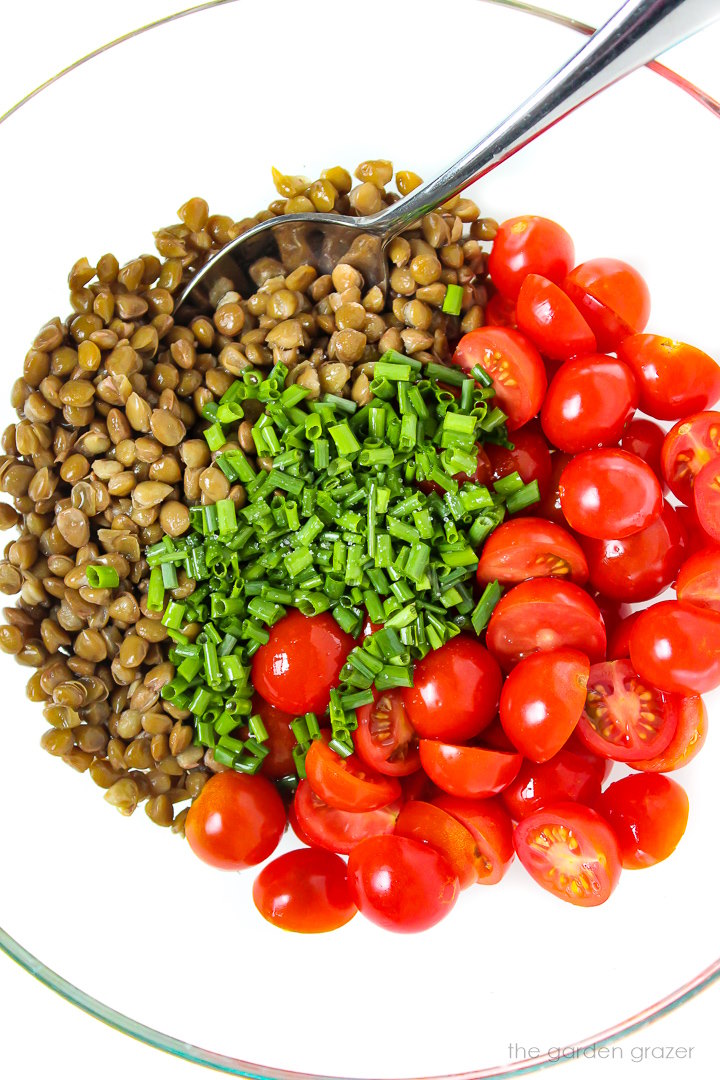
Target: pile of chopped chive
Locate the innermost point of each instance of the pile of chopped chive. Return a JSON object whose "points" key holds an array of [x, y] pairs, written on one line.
{"points": [[337, 524]]}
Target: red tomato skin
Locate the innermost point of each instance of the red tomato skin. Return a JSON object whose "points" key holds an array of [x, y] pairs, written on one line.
{"points": [[619, 639], [597, 845], [236, 821], [470, 772], [319, 825], [279, 762], [499, 311], [565, 617], [529, 245], [648, 814], [686, 743], [383, 728], [531, 547], [609, 494], [549, 318], [640, 566], [516, 368], [401, 884], [612, 296], [429, 824], [613, 725], [688, 446], [456, 691], [304, 891], [589, 403], [549, 505], [674, 379], [676, 647], [696, 539], [644, 439], [301, 662], [542, 701], [699, 579], [346, 783], [489, 824], [530, 457], [706, 499], [566, 777]]}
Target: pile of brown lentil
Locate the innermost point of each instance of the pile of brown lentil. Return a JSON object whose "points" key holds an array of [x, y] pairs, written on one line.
{"points": [[108, 454]]}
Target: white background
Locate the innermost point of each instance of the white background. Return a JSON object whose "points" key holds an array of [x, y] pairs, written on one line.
{"points": [[40, 1034]]}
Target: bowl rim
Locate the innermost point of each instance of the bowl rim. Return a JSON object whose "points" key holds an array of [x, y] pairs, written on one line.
{"points": [[234, 1066]]}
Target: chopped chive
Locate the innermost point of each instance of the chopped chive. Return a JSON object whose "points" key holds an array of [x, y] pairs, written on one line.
{"points": [[102, 577], [452, 304], [485, 606]]}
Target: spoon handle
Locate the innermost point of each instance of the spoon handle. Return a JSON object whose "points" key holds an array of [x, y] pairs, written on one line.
{"points": [[638, 32]]}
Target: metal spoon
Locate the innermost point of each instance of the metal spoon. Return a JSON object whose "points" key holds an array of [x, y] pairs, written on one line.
{"points": [[638, 32]]}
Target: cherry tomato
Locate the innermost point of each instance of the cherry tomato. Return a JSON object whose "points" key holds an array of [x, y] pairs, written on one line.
{"points": [[648, 814], [612, 611], [639, 566], [619, 639], [625, 718], [542, 701], [612, 296], [489, 824], [236, 821], [696, 539], [385, 739], [529, 245], [418, 786], [566, 777], [499, 311], [544, 614], [456, 691], [686, 743], [528, 548], [431, 825], [644, 439], [401, 884], [280, 742], [297, 828], [322, 826], [609, 494], [549, 505], [470, 772], [688, 446], [301, 662], [706, 492], [494, 737], [530, 457], [482, 475], [549, 318], [674, 379], [676, 646], [571, 851], [346, 783], [699, 579], [589, 403], [305, 891], [515, 366]]}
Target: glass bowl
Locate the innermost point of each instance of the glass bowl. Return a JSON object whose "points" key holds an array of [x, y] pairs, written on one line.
{"points": [[128, 925]]}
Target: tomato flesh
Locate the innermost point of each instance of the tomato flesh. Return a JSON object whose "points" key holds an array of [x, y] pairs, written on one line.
{"points": [[625, 718], [609, 494], [385, 739], [513, 363], [525, 548], [431, 825], [346, 783], [471, 772], [305, 891], [455, 692], [542, 701], [706, 492], [688, 447], [236, 821], [300, 664], [323, 826], [648, 815]]}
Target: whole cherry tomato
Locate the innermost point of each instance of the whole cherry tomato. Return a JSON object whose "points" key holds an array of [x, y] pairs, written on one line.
{"points": [[609, 494], [513, 363], [676, 647], [470, 772], [530, 547], [530, 457], [301, 662], [236, 821], [568, 776], [589, 403], [542, 701], [529, 245], [455, 691], [305, 891], [549, 318], [644, 439], [280, 741], [625, 718], [346, 783], [613, 297], [689, 446], [640, 566], [489, 824], [674, 379], [648, 814]]}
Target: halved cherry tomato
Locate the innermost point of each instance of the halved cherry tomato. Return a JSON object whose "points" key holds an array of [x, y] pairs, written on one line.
{"points": [[236, 821], [571, 851], [385, 739], [686, 743], [568, 776], [699, 579], [609, 493], [619, 638], [455, 692], [280, 742], [676, 646], [499, 311], [648, 814], [528, 548], [644, 439], [529, 245], [346, 783], [431, 825], [337, 830], [542, 701], [589, 403], [706, 493], [640, 566], [305, 891], [418, 786], [613, 297], [612, 611], [544, 614], [696, 539], [401, 884], [625, 718], [489, 824], [513, 363], [470, 772], [530, 457], [495, 738], [689, 446], [296, 670], [674, 379], [482, 475], [549, 505], [549, 318]]}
